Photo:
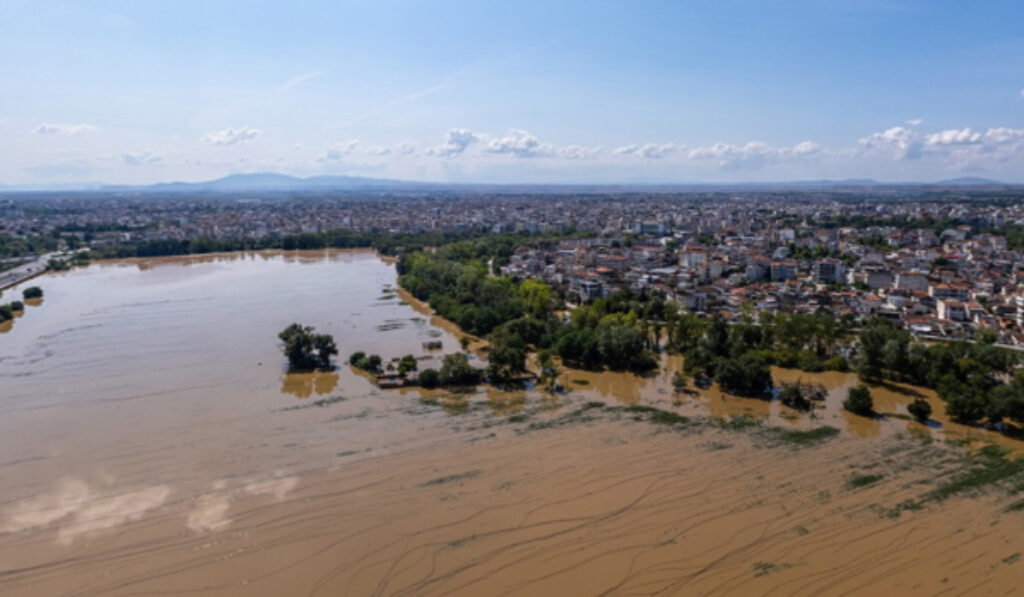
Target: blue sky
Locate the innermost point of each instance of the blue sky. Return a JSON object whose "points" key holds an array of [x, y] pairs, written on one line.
{"points": [[134, 92]]}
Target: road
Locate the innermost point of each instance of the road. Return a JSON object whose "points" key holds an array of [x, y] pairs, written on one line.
{"points": [[25, 271]]}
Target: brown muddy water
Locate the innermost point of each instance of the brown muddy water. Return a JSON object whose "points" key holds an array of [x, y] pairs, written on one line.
{"points": [[151, 442]]}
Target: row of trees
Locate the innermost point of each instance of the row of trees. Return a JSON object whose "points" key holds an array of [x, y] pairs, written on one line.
{"points": [[519, 316], [8, 310]]}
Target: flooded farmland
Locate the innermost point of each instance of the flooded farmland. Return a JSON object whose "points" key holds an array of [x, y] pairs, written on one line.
{"points": [[151, 441]]}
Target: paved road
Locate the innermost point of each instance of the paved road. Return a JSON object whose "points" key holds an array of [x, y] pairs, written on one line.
{"points": [[23, 272]]}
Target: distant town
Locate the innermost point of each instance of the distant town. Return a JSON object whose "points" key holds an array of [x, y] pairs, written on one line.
{"points": [[943, 263]]}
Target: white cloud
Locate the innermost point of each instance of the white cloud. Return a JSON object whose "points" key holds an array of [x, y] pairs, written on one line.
{"points": [[232, 136], [53, 128], [903, 142], [914, 122], [523, 144], [754, 155], [456, 141], [403, 148], [651, 151], [963, 136], [339, 151], [139, 159]]}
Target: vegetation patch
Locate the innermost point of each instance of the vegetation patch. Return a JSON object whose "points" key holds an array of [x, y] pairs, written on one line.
{"points": [[801, 437], [656, 415], [317, 403], [991, 467], [453, 478], [858, 481]]}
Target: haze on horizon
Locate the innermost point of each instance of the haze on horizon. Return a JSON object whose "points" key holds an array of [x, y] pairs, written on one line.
{"points": [[127, 92]]}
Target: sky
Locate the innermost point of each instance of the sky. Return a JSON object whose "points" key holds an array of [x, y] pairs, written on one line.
{"points": [[134, 92]]}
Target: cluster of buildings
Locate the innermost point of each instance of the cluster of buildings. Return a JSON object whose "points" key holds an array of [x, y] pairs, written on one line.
{"points": [[939, 265]]}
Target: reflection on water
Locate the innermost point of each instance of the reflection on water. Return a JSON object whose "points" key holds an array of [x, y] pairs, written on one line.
{"points": [[304, 385]]}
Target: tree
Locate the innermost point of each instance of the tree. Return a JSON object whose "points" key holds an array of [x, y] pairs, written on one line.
{"points": [[306, 349], [407, 364], [456, 370], [32, 292], [920, 409], [17, 306], [548, 369], [356, 358], [792, 395], [6, 313], [430, 378], [744, 376], [858, 401], [679, 381]]}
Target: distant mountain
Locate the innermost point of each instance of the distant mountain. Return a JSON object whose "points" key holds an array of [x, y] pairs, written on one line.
{"points": [[968, 180], [269, 181]]}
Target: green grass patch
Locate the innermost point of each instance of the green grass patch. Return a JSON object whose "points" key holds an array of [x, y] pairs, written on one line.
{"points": [[801, 437], [656, 415], [991, 467], [581, 382], [737, 422]]}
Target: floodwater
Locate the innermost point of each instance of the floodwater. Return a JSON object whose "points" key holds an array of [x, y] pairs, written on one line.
{"points": [[151, 441]]}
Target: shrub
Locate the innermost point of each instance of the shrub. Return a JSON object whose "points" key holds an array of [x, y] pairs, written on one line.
{"points": [[17, 306], [920, 409], [792, 395], [356, 357], [32, 292], [858, 401], [430, 378]]}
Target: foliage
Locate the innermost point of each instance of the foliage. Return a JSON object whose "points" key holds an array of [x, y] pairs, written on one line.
{"points": [[456, 370], [306, 349], [6, 313], [744, 376], [407, 364], [32, 292], [920, 409], [792, 395], [858, 401], [679, 381], [430, 378], [17, 306]]}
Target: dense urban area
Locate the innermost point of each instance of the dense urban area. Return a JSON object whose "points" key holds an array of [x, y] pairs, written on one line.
{"points": [[919, 287], [944, 265]]}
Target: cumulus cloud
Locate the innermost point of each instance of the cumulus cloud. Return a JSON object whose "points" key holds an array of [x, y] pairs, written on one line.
{"points": [[752, 156], [963, 136], [339, 151], [140, 159], [232, 136], [456, 141], [523, 144], [651, 151], [914, 122], [53, 128], [902, 142], [959, 149], [403, 148]]}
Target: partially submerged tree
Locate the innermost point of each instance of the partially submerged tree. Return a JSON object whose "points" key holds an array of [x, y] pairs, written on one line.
{"points": [[858, 401], [305, 349], [920, 409]]}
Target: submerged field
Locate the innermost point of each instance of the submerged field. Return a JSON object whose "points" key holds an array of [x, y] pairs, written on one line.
{"points": [[150, 441]]}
